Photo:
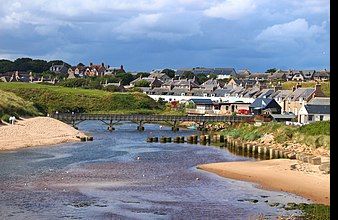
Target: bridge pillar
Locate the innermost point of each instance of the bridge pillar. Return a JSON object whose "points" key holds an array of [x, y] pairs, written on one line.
{"points": [[110, 126], [175, 127], [140, 127]]}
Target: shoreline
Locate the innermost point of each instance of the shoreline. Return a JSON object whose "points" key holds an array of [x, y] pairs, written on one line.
{"points": [[277, 175], [37, 131]]}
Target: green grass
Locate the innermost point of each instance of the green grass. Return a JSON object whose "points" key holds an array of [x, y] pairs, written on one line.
{"points": [[325, 86], [11, 104], [49, 99], [311, 211], [315, 135]]}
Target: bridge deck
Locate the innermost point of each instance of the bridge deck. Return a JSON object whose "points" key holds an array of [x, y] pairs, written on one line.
{"points": [[149, 118]]}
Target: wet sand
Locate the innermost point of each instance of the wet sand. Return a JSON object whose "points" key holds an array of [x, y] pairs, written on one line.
{"points": [[278, 175], [36, 131]]}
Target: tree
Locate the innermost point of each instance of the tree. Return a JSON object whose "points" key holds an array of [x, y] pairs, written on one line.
{"points": [[142, 83], [188, 75], [169, 72], [141, 74], [6, 66], [125, 78], [201, 78], [135, 89], [213, 76], [271, 70]]}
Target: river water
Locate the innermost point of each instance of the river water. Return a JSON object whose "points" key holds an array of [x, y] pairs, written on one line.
{"points": [[121, 176]]}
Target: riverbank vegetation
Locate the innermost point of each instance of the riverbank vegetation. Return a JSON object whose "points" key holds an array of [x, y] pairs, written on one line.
{"points": [[12, 105], [314, 135], [48, 99]]}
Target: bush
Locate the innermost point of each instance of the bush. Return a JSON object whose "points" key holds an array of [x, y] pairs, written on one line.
{"points": [[316, 128]]}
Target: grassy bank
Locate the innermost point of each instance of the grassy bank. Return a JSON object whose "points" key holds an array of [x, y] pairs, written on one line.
{"points": [[315, 135], [11, 104], [49, 99], [324, 85], [311, 211]]}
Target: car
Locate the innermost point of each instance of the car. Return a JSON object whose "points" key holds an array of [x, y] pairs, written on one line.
{"points": [[243, 112]]}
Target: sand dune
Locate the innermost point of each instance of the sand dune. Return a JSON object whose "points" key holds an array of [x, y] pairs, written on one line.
{"points": [[36, 131], [278, 175]]}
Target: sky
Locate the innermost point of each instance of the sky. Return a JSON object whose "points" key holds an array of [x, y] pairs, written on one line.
{"points": [[152, 34]]}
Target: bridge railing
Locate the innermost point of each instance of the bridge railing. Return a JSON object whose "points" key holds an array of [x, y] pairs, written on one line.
{"points": [[135, 117]]}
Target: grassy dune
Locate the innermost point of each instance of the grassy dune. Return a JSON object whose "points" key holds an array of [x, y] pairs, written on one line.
{"points": [[315, 135], [49, 99], [11, 104]]}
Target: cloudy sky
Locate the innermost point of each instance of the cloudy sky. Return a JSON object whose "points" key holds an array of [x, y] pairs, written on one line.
{"points": [[149, 34]]}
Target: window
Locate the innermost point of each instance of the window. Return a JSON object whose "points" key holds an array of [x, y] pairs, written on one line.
{"points": [[310, 118], [226, 107], [321, 117]]}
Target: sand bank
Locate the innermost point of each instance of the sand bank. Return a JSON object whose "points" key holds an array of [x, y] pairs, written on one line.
{"points": [[278, 174], [36, 132]]}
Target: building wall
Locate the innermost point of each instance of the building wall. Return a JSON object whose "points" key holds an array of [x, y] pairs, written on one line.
{"points": [[170, 98]]}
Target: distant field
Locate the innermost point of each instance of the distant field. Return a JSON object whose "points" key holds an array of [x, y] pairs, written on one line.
{"points": [[49, 99], [324, 85]]}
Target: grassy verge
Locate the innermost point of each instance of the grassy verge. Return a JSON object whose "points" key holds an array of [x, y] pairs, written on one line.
{"points": [[12, 105], [49, 99], [315, 135]]}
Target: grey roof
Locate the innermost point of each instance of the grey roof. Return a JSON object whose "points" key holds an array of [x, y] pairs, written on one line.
{"points": [[207, 71], [304, 93], [202, 101], [220, 92], [265, 93], [262, 103], [283, 116], [320, 101], [317, 109], [280, 94]]}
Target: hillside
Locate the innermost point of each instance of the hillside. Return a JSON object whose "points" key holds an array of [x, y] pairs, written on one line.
{"points": [[49, 99], [11, 104]]}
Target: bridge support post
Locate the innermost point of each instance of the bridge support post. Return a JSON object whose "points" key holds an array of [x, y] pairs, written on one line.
{"points": [[74, 124], [110, 126], [140, 126], [175, 127]]}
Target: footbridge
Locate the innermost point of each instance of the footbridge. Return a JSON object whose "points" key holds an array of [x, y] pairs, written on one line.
{"points": [[173, 120]]}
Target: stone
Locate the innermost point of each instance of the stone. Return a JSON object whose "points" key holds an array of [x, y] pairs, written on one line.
{"points": [[325, 167], [316, 161]]}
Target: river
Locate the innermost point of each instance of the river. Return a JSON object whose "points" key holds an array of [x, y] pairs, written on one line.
{"points": [[121, 176]]}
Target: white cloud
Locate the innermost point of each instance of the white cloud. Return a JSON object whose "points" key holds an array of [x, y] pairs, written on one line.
{"points": [[231, 9], [297, 29]]}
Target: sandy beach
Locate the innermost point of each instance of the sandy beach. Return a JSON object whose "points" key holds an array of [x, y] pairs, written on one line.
{"points": [[279, 174], [36, 131]]}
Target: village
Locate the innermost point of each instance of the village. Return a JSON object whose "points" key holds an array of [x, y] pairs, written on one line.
{"points": [[224, 91]]}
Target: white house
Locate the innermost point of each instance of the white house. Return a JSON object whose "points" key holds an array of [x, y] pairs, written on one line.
{"points": [[312, 113]]}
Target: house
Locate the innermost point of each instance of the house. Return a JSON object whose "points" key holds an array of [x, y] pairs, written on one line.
{"points": [[211, 84], [265, 105], [153, 82], [110, 70], [221, 73], [282, 117], [181, 83], [228, 108], [298, 76], [300, 96], [161, 76], [59, 69], [312, 113], [243, 74], [322, 75], [118, 85], [202, 106], [279, 75], [308, 74]]}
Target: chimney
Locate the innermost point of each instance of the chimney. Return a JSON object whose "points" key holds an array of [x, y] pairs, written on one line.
{"points": [[278, 87], [121, 67], [90, 64], [102, 64], [293, 88], [298, 85]]}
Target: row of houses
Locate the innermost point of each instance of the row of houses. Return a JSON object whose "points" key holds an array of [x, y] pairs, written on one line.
{"points": [[20, 76]]}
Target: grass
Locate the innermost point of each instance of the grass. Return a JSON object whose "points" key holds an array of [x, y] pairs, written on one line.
{"points": [[311, 211], [315, 135], [49, 99], [11, 104], [325, 86]]}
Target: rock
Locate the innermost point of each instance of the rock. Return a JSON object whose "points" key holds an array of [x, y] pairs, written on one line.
{"points": [[293, 166], [315, 161], [325, 167]]}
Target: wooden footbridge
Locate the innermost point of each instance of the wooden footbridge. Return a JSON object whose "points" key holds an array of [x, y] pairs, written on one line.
{"points": [[173, 120]]}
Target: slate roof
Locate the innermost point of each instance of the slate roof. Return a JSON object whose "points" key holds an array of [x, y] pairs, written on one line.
{"points": [[320, 101], [304, 93], [202, 101], [283, 116], [261, 103], [317, 109]]}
